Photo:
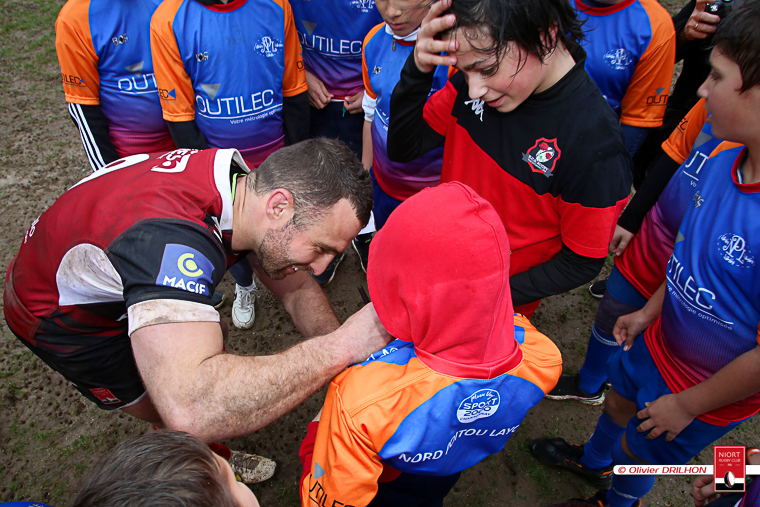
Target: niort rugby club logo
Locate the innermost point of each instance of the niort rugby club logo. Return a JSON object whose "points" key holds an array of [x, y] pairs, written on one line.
{"points": [[543, 156], [733, 249], [185, 268], [268, 46], [618, 59], [478, 405]]}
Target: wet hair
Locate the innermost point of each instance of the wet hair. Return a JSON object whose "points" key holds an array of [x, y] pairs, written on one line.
{"points": [[738, 37], [157, 469], [527, 23], [318, 173]]}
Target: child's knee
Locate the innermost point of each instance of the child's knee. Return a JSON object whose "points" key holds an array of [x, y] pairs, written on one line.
{"points": [[618, 408]]}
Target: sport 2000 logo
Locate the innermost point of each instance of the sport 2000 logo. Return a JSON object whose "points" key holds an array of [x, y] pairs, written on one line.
{"points": [[478, 405]]}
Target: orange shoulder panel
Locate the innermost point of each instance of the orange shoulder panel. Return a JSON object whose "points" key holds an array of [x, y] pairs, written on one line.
{"points": [[294, 76], [175, 88], [646, 97], [76, 54], [679, 144], [725, 145], [365, 72], [542, 361]]}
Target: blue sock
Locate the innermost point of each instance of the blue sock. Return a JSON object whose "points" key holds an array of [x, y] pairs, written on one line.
{"points": [[626, 489], [601, 346], [597, 453]]}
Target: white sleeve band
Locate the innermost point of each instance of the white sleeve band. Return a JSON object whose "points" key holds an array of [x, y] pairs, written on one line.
{"points": [[168, 311], [369, 104]]}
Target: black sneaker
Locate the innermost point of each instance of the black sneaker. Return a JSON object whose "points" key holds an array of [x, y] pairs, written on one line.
{"points": [[217, 299], [598, 288], [557, 452], [361, 245], [329, 273], [598, 499], [567, 389]]}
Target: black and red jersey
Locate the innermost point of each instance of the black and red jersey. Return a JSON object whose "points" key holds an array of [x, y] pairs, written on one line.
{"points": [[555, 168], [144, 228]]}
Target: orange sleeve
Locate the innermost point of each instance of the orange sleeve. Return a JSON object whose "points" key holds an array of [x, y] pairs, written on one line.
{"points": [[646, 97], [76, 54], [365, 71], [294, 76], [175, 89], [345, 468], [679, 144]]}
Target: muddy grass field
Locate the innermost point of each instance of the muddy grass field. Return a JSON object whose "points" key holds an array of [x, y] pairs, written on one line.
{"points": [[50, 437]]}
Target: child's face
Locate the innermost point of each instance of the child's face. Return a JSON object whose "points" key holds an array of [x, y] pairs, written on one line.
{"points": [[517, 77], [402, 16], [733, 115], [240, 491]]}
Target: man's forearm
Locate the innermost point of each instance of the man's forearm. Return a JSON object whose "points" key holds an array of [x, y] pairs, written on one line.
{"points": [[235, 395], [736, 381]]}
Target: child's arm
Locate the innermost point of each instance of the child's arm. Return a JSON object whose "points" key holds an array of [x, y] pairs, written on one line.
{"points": [[367, 145], [628, 327], [671, 413]]}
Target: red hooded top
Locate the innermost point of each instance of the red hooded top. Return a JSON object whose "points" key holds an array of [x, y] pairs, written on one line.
{"points": [[457, 311]]}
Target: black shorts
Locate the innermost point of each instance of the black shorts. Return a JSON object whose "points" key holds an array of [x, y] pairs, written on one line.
{"points": [[104, 372]]}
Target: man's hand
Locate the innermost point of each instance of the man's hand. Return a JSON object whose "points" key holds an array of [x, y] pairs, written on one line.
{"points": [[318, 94], [353, 104], [665, 414], [365, 334], [701, 24], [427, 51], [702, 490], [620, 240]]}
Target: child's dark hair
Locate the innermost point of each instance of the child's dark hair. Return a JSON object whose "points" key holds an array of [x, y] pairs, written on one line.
{"points": [[738, 37], [529, 23], [162, 468]]}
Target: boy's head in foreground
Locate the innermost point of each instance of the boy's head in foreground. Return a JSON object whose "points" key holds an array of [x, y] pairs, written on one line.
{"points": [[731, 89], [438, 275], [163, 468], [510, 49]]}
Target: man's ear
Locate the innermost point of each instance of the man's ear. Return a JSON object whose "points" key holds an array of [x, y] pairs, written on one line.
{"points": [[280, 205]]}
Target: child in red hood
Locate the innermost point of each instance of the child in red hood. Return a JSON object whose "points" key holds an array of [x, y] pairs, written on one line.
{"points": [[458, 380]]}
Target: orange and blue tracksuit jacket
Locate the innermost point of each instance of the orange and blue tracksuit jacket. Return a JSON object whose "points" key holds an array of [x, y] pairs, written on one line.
{"points": [[393, 414]]}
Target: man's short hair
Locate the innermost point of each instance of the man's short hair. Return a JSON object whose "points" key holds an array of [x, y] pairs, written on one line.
{"points": [[318, 173], [167, 468], [526, 22], [738, 37]]}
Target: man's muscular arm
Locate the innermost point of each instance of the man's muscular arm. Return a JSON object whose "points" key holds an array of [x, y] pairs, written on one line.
{"points": [[199, 389]]}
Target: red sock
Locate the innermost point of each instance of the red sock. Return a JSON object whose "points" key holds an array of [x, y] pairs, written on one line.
{"points": [[221, 450]]}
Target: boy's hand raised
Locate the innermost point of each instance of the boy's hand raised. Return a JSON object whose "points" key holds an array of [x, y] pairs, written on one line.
{"points": [[427, 51]]}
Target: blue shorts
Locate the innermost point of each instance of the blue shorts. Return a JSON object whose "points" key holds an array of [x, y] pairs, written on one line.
{"points": [[634, 375], [622, 290]]}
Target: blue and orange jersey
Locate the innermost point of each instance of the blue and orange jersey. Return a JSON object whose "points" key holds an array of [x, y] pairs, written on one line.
{"points": [[644, 260], [711, 310], [631, 53], [331, 38], [104, 52], [394, 414], [382, 61], [228, 67]]}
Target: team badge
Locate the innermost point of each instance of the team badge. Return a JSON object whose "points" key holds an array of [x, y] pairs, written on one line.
{"points": [[268, 46], [618, 59], [733, 249], [477, 107], [363, 5], [543, 156]]}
